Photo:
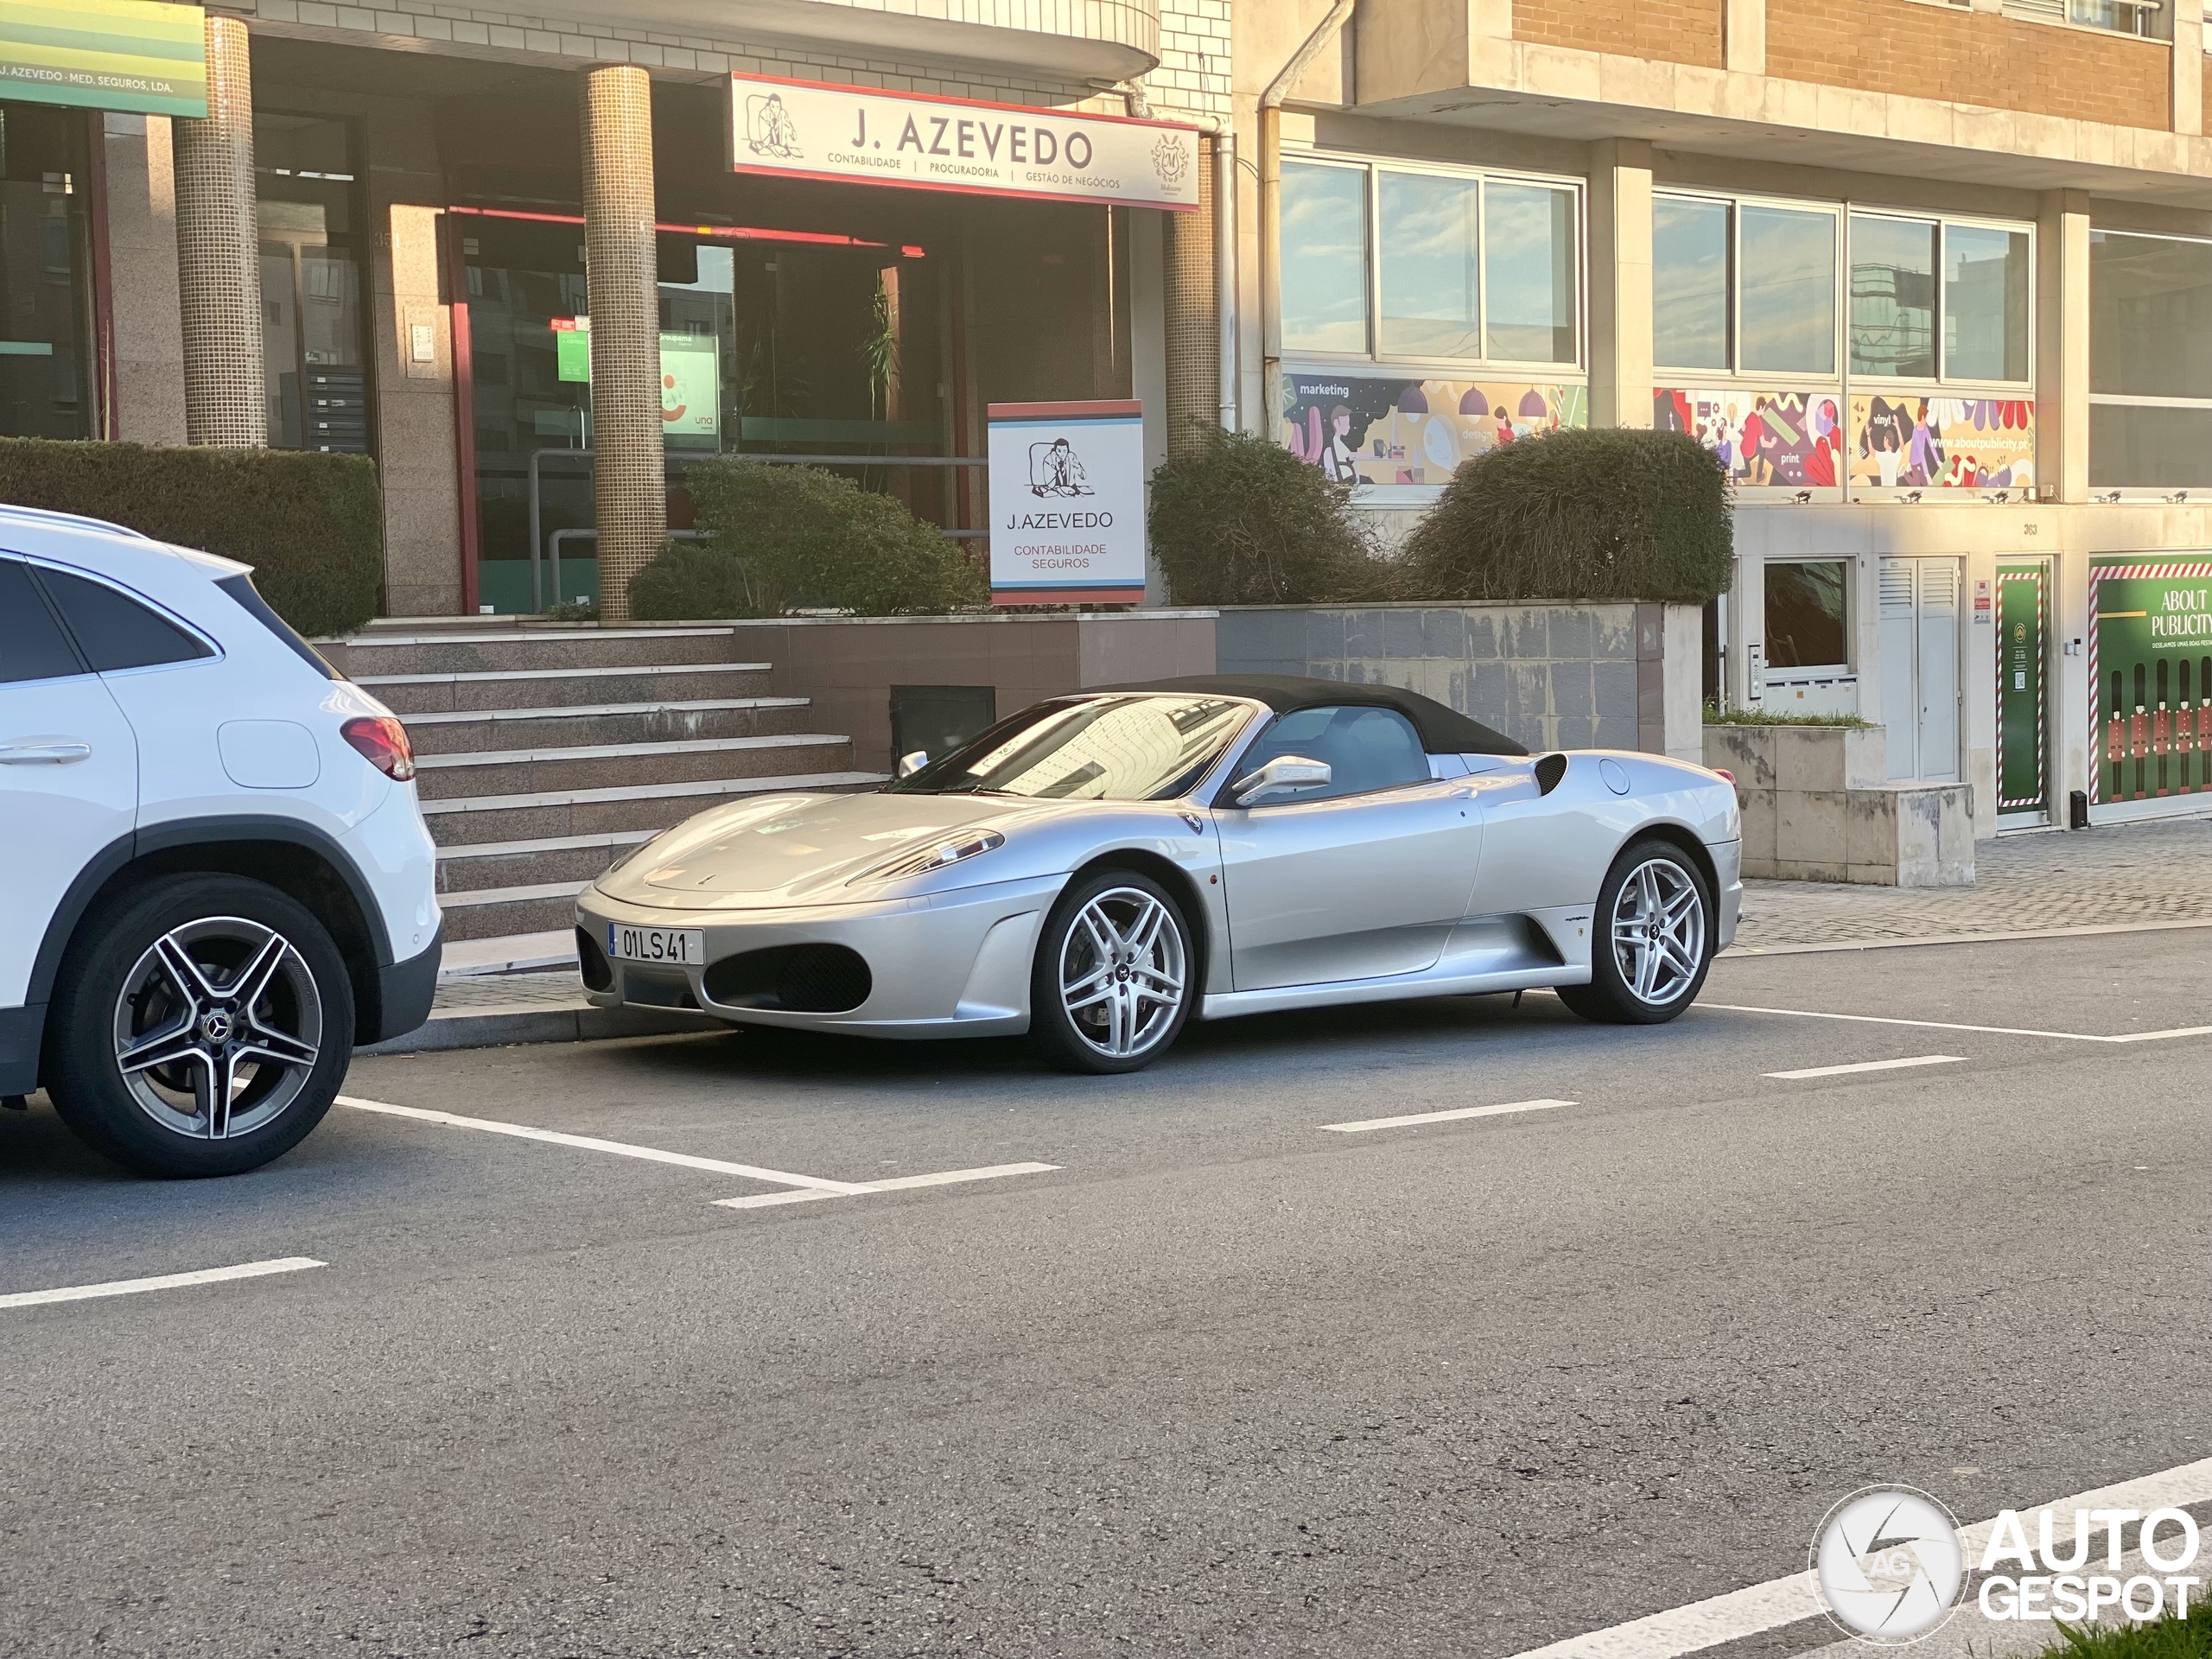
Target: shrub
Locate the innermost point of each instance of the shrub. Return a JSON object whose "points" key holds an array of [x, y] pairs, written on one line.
{"points": [[310, 524], [1609, 512], [1245, 522], [1737, 716], [688, 580], [806, 536]]}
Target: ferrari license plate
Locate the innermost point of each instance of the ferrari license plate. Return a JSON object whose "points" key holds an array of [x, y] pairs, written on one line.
{"points": [[685, 945]]}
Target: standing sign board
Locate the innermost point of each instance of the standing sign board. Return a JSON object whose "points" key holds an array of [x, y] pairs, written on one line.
{"points": [[1067, 503], [2150, 671], [860, 136], [2023, 620], [144, 56]]}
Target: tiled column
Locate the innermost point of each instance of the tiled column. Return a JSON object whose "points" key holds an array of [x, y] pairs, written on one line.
{"points": [[624, 296], [218, 253], [1194, 319], [1620, 282]]}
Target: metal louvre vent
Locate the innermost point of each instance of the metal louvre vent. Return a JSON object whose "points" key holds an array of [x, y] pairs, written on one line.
{"points": [[796, 978]]}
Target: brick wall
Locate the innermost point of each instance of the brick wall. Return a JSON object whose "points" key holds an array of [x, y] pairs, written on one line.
{"points": [[1675, 31], [1970, 57]]}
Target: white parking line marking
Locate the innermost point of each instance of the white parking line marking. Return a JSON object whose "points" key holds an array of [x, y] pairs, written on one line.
{"points": [[1784, 1601], [1991, 1031], [896, 1184], [161, 1281], [804, 1186], [1367, 1123], [620, 1149], [1871, 1065]]}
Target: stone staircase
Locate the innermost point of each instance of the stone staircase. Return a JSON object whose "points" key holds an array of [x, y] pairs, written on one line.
{"points": [[542, 753]]}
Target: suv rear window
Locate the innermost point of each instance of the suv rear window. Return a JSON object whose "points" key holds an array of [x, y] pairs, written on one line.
{"points": [[242, 589], [32, 644], [115, 630]]}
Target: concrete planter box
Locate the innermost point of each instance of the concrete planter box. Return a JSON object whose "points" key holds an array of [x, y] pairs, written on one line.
{"points": [[1569, 676], [1818, 806]]}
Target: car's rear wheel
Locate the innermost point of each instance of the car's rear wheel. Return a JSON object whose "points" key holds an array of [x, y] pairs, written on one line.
{"points": [[1111, 986], [1653, 939], [201, 1027]]}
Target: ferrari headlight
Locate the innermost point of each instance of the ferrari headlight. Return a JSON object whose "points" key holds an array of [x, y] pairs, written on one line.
{"points": [[935, 856]]}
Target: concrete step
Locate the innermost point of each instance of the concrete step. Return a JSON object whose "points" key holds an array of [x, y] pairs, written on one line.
{"points": [[475, 730], [533, 862], [513, 953], [445, 652], [497, 912], [469, 820], [410, 694], [611, 766]]}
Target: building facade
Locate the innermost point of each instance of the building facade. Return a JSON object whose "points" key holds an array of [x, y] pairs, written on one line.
{"points": [[1933, 277]]}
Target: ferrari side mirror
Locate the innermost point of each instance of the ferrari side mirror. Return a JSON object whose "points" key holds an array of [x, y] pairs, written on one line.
{"points": [[911, 764], [1287, 774]]}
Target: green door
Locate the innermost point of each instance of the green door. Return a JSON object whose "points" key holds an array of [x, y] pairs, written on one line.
{"points": [[2022, 622]]}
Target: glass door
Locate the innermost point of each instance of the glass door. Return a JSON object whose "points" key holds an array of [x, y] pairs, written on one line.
{"points": [[45, 365]]}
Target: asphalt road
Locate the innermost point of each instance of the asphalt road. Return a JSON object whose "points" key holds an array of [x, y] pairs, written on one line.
{"points": [[1224, 1382]]}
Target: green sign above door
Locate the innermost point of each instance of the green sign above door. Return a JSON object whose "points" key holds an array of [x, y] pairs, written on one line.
{"points": [[145, 56]]}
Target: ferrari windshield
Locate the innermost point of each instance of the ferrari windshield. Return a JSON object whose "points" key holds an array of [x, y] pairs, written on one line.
{"points": [[1137, 747]]}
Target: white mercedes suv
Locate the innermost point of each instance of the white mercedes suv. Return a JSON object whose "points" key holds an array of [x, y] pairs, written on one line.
{"points": [[214, 878]]}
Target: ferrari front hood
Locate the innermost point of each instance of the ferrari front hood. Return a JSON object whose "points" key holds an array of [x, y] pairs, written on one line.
{"points": [[794, 849]]}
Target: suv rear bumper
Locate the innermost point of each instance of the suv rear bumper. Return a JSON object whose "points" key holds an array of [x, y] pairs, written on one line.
{"points": [[404, 991]]}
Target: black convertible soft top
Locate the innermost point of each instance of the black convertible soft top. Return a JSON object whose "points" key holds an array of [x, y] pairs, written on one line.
{"points": [[1444, 730]]}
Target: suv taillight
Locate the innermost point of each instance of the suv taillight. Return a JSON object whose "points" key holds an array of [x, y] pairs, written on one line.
{"points": [[383, 741]]}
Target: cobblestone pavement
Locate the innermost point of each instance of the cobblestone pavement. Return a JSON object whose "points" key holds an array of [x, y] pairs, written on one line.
{"points": [[2119, 875], [2124, 875]]}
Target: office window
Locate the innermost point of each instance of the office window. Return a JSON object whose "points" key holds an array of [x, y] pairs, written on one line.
{"points": [[1786, 299], [1431, 288], [1936, 300], [1689, 282], [46, 389], [1743, 287], [1461, 266], [2150, 339], [1323, 265], [1808, 613], [1529, 263]]}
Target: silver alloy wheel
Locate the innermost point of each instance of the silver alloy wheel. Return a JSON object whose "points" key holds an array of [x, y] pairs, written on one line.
{"points": [[217, 1027], [1121, 972], [1658, 931]]}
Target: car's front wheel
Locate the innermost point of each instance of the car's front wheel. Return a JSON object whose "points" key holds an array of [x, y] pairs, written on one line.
{"points": [[202, 1027], [1653, 938], [1111, 986]]}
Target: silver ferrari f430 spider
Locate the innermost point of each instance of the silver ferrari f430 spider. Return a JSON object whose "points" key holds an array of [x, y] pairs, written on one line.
{"points": [[1100, 867]]}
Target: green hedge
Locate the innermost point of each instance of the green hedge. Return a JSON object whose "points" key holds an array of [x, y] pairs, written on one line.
{"points": [[784, 536], [1244, 522], [310, 524], [1610, 512]]}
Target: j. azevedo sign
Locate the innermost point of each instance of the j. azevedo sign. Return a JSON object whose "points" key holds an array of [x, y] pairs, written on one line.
{"points": [[849, 133], [1067, 503]]}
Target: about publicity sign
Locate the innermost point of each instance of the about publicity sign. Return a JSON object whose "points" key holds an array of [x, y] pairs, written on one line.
{"points": [[856, 135], [2150, 677], [1067, 503], [130, 56]]}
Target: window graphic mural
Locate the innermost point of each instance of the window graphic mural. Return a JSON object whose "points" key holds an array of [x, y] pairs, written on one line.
{"points": [[2150, 676], [1768, 440], [1904, 441], [1369, 429]]}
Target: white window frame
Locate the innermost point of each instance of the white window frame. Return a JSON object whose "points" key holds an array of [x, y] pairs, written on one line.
{"points": [[2133, 400], [2025, 388], [1735, 373], [1575, 371]]}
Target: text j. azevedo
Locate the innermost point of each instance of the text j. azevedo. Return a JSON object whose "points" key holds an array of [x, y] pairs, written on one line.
{"points": [[1059, 521], [980, 140]]}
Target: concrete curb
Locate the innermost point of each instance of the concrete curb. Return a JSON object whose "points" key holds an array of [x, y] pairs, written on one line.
{"points": [[503, 1027]]}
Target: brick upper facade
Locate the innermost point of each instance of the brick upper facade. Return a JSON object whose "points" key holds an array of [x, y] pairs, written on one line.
{"points": [[1672, 31], [1915, 50]]}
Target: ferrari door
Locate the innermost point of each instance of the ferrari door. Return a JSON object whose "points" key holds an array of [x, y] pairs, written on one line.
{"points": [[1362, 877]]}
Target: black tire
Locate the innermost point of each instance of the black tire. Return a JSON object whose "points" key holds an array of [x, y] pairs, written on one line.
{"points": [[1129, 990], [1612, 997], [123, 986]]}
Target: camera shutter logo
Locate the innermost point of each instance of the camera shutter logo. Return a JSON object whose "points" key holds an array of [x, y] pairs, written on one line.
{"points": [[1889, 1566]]}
